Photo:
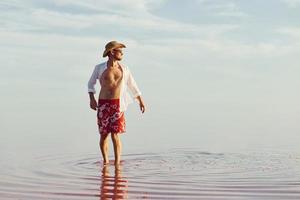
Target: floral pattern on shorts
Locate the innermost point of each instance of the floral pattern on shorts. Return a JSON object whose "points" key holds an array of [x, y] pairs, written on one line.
{"points": [[109, 117]]}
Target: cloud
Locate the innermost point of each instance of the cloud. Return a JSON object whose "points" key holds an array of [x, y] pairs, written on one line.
{"points": [[135, 20], [292, 3], [218, 48], [292, 32], [156, 34], [222, 8], [132, 7]]}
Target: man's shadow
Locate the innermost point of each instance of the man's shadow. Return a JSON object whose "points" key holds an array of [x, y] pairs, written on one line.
{"points": [[113, 187]]}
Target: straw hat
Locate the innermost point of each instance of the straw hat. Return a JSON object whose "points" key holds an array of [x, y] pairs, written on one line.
{"points": [[112, 45]]}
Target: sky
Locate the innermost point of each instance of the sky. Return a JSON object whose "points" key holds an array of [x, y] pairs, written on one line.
{"points": [[215, 74]]}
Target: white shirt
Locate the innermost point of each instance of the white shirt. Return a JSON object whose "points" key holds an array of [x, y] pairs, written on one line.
{"points": [[127, 82]]}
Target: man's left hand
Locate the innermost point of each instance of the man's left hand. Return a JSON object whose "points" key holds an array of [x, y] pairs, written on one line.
{"points": [[142, 107], [141, 102]]}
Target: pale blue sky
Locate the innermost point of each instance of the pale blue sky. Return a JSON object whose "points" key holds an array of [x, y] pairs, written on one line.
{"points": [[215, 74]]}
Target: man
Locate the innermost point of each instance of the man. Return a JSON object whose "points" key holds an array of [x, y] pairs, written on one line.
{"points": [[113, 100]]}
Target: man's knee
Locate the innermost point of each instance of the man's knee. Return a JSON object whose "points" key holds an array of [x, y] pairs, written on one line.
{"points": [[103, 137], [114, 136]]}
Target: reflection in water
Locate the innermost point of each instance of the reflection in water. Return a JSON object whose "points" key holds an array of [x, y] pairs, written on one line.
{"points": [[176, 175], [113, 187]]}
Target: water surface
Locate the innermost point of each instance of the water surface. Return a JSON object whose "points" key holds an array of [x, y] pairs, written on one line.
{"points": [[172, 174]]}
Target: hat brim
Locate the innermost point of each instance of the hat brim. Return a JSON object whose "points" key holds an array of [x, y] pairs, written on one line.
{"points": [[119, 45]]}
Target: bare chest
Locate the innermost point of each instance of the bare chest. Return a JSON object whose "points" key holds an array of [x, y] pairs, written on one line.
{"points": [[111, 76]]}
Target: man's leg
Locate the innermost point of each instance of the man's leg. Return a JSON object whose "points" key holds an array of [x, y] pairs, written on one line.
{"points": [[117, 147], [104, 147]]}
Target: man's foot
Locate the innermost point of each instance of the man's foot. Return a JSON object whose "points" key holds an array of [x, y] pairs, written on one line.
{"points": [[105, 171], [105, 162], [117, 163]]}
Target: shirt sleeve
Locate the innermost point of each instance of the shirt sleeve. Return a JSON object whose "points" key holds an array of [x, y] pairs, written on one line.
{"points": [[132, 85], [93, 80]]}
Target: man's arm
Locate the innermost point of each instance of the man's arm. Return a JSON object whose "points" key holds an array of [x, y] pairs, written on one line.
{"points": [[91, 88], [135, 91], [93, 80], [93, 102], [141, 103]]}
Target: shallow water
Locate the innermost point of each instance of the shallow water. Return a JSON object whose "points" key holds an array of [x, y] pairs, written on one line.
{"points": [[173, 174]]}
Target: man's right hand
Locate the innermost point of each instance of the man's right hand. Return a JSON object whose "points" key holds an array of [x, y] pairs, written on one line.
{"points": [[93, 104]]}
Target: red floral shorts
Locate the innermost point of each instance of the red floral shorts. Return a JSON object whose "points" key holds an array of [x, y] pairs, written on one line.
{"points": [[109, 117]]}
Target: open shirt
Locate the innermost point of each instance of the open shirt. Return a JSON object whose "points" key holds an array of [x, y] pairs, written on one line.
{"points": [[127, 82]]}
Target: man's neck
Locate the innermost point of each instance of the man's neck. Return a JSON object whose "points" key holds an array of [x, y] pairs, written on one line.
{"points": [[112, 63]]}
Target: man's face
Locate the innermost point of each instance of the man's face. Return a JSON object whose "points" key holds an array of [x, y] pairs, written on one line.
{"points": [[117, 54]]}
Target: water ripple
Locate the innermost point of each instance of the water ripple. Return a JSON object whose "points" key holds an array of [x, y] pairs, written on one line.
{"points": [[176, 174]]}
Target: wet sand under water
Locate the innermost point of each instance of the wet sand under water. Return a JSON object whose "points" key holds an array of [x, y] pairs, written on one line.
{"points": [[175, 174]]}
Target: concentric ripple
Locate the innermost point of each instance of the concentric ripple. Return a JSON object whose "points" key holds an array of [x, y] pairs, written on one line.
{"points": [[176, 174]]}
